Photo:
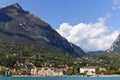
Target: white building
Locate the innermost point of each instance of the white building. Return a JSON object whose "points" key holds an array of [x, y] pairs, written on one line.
{"points": [[89, 70]]}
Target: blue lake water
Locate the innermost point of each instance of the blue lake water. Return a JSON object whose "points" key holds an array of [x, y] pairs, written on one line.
{"points": [[59, 78]]}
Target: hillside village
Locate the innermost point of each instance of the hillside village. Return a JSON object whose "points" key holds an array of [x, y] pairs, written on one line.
{"points": [[21, 69]]}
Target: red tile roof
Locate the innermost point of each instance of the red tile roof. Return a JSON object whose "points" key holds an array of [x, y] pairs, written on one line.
{"points": [[89, 67]]}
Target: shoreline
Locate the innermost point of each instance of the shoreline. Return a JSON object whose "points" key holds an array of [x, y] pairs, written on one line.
{"points": [[108, 75], [63, 76]]}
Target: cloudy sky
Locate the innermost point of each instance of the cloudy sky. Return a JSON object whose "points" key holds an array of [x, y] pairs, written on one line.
{"points": [[91, 24]]}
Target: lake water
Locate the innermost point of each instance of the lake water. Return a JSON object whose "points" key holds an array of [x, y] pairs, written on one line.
{"points": [[59, 78]]}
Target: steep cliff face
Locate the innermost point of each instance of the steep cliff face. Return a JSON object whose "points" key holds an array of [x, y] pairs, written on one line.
{"points": [[20, 27], [115, 47]]}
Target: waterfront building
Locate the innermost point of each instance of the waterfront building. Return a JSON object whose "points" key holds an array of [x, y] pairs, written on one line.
{"points": [[46, 71], [89, 70]]}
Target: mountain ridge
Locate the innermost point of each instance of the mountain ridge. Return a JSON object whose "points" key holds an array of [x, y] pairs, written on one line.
{"points": [[20, 27]]}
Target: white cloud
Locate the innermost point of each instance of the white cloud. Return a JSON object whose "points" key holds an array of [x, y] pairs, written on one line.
{"points": [[90, 37], [116, 4]]}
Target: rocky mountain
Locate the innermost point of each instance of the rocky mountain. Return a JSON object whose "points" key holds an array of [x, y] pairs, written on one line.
{"points": [[20, 27], [115, 48]]}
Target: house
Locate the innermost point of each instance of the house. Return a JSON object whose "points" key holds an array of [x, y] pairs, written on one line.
{"points": [[102, 69], [45, 71], [4, 68], [89, 70], [59, 72], [19, 66]]}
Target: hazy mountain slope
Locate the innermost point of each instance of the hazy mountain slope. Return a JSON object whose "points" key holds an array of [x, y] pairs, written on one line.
{"points": [[115, 47]]}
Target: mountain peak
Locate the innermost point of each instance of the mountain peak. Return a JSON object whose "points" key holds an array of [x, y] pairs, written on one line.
{"points": [[16, 5]]}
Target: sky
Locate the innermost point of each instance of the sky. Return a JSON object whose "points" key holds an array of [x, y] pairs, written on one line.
{"points": [[91, 24]]}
